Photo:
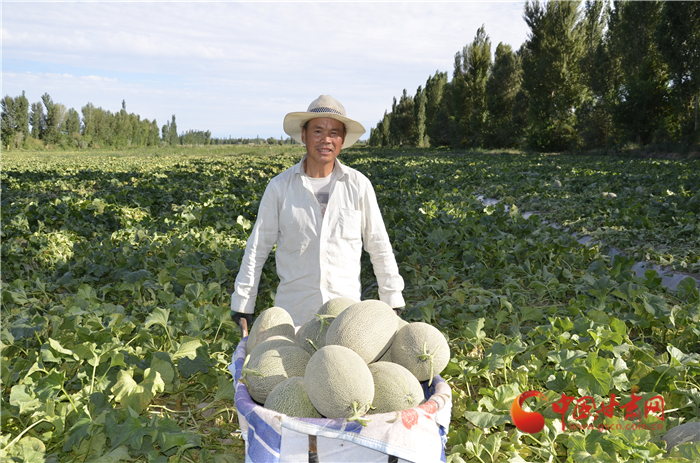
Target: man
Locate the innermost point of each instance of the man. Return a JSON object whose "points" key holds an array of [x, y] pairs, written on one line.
{"points": [[319, 213]]}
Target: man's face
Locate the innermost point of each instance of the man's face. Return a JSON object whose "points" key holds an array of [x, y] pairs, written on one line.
{"points": [[323, 137]]}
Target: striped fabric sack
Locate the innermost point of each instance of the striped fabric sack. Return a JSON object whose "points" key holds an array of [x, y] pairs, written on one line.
{"points": [[414, 435]]}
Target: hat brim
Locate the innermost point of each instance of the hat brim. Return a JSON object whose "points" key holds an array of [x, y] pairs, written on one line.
{"points": [[293, 123]]}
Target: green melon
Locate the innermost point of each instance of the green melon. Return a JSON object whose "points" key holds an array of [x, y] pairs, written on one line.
{"points": [[271, 322], [289, 397], [271, 368], [422, 349], [339, 383], [366, 327], [312, 335], [336, 305], [395, 388], [272, 342]]}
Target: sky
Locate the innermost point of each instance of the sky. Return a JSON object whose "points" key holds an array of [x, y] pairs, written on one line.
{"points": [[237, 68]]}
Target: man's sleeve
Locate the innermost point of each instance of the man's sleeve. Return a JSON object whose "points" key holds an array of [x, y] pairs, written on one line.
{"points": [[260, 243], [377, 244]]}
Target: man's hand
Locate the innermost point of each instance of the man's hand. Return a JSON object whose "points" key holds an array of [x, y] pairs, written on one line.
{"points": [[236, 316], [399, 310]]}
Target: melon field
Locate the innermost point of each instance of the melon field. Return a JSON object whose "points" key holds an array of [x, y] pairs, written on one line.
{"points": [[116, 267]]}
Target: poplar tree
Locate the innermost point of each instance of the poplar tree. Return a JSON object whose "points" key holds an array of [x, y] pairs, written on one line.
{"points": [[36, 119], [551, 73], [477, 64], [52, 118], [642, 107], [172, 135], [678, 39], [434, 90], [501, 90], [419, 117]]}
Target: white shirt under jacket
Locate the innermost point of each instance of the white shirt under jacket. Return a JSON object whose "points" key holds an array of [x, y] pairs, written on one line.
{"points": [[317, 256]]}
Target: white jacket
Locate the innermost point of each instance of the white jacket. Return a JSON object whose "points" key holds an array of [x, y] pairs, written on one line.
{"points": [[318, 257]]}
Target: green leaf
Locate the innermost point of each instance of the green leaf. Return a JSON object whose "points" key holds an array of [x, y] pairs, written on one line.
{"points": [[687, 289], [566, 358], [181, 440], [188, 348], [474, 331], [22, 398], [189, 367], [121, 453], [131, 433], [687, 450], [486, 419], [655, 305], [28, 450], [159, 317], [595, 376], [226, 389], [80, 430]]}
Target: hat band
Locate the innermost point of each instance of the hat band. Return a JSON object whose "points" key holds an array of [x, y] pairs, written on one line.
{"points": [[325, 110]]}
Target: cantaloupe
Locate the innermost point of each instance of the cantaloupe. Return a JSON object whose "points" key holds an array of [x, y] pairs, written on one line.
{"points": [[336, 305], [290, 397], [366, 327], [312, 335], [422, 349], [386, 357], [339, 382], [272, 342], [271, 322], [395, 388], [271, 368]]}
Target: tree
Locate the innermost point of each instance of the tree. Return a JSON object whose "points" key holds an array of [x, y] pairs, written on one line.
{"points": [[501, 90], [36, 119], [678, 40], [477, 64], [419, 117], [551, 73], [642, 105], [434, 90], [71, 127], [172, 135], [15, 120], [52, 119]]}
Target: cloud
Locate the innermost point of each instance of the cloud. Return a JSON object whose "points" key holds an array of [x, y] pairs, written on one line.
{"points": [[245, 61]]}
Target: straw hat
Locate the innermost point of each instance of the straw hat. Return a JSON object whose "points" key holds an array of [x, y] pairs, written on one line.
{"points": [[323, 106]]}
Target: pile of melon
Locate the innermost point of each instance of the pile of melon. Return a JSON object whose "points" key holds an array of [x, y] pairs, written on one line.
{"points": [[352, 359]]}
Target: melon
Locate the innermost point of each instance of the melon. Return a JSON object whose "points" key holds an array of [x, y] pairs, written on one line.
{"points": [[289, 397], [336, 305], [366, 327], [272, 367], [271, 343], [271, 322], [395, 388], [339, 383], [312, 335], [422, 349]]}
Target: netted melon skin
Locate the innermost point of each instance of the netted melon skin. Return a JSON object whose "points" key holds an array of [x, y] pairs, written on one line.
{"points": [[367, 328], [290, 397], [395, 388], [335, 306], [275, 365], [274, 321], [336, 377], [408, 346], [270, 343], [314, 330]]}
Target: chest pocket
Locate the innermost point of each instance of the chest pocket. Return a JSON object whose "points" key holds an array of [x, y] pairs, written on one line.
{"points": [[350, 224]]}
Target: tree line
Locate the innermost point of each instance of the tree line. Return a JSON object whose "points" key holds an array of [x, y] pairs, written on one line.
{"points": [[589, 75], [52, 124]]}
